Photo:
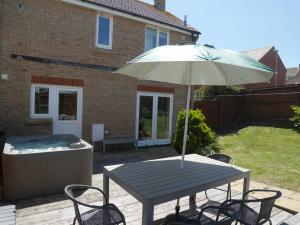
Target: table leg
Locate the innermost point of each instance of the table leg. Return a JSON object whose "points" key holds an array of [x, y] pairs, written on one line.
{"points": [[103, 147], [147, 218], [246, 185], [106, 187], [192, 202]]}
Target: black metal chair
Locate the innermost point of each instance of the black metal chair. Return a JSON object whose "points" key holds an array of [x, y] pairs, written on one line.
{"points": [[244, 214], [226, 159], [238, 211], [2, 144], [220, 218], [106, 214], [2, 141]]}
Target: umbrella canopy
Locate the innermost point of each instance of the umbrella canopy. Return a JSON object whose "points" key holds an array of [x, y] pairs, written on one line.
{"points": [[202, 64], [196, 65]]}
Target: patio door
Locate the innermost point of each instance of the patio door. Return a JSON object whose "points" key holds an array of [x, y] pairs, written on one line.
{"points": [[154, 118], [67, 111]]}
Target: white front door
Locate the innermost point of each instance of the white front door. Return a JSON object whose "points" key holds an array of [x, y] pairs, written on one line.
{"points": [[67, 115], [154, 118]]}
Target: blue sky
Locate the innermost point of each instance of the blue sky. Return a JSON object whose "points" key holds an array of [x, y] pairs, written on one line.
{"points": [[245, 24]]}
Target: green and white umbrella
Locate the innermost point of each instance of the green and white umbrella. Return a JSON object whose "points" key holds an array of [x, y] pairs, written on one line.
{"points": [[196, 65]]}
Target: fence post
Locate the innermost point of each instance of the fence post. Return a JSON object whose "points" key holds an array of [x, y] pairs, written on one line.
{"points": [[219, 113]]}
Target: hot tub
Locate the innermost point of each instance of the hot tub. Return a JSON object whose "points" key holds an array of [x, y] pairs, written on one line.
{"points": [[40, 166]]}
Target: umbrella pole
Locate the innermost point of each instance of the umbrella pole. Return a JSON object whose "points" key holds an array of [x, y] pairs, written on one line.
{"points": [[187, 109], [188, 100]]}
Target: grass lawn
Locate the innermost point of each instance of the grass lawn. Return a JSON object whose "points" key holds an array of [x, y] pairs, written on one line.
{"points": [[272, 154]]}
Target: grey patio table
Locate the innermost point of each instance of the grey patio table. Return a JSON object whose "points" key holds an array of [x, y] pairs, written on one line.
{"points": [[154, 182]]}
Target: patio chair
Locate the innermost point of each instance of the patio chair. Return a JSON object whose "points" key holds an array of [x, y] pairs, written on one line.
{"points": [[239, 211], [220, 218], [247, 215], [106, 214], [226, 159], [2, 144]]}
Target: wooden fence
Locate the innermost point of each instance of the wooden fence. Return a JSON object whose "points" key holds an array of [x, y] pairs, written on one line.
{"points": [[248, 107], [279, 89]]}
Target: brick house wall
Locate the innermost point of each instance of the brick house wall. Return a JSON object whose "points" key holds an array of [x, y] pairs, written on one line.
{"points": [[56, 30], [269, 60]]}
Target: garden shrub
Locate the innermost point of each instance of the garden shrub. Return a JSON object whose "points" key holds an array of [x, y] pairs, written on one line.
{"points": [[208, 92], [296, 116], [201, 139]]}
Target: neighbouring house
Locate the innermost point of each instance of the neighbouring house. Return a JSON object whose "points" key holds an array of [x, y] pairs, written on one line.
{"points": [[293, 75], [270, 57], [56, 64]]}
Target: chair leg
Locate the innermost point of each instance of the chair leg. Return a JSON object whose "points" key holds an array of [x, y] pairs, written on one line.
{"points": [[74, 220], [206, 194], [228, 196], [270, 221]]}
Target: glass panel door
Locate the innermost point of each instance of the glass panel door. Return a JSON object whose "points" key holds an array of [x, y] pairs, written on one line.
{"points": [[163, 117], [154, 117], [145, 118], [67, 111], [67, 107]]}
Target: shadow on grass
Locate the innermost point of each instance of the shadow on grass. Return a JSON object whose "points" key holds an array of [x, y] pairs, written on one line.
{"points": [[235, 127]]}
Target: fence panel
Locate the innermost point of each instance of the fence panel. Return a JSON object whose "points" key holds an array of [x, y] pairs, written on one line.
{"points": [[250, 107]]}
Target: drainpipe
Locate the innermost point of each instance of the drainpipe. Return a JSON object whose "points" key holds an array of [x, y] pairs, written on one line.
{"points": [[276, 67]]}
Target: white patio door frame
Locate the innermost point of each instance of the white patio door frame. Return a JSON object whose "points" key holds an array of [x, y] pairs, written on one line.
{"points": [[154, 140], [62, 126], [59, 126]]}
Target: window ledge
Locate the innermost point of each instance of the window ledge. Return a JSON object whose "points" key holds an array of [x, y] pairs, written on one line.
{"points": [[109, 48]]}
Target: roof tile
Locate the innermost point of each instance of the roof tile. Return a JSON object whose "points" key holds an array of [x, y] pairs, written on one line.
{"points": [[142, 9], [257, 53]]}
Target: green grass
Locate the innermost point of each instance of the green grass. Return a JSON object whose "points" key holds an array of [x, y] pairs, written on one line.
{"points": [[272, 154]]}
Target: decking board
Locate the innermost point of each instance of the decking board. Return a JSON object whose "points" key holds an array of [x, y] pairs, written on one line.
{"points": [[7, 214], [60, 211]]}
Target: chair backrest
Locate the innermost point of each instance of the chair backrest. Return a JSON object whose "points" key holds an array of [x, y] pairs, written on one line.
{"points": [[2, 141], [221, 157], [267, 205], [72, 192]]}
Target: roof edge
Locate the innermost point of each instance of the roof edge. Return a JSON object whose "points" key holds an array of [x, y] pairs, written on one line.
{"points": [[271, 48], [82, 2], [144, 17]]}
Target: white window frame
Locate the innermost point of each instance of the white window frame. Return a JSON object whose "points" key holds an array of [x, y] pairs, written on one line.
{"points": [[109, 46], [34, 115], [158, 30], [154, 140]]}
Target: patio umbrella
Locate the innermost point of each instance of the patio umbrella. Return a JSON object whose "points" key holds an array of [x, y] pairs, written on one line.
{"points": [[196, 65]]}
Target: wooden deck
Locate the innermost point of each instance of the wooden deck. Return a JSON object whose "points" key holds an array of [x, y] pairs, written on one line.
{"points": [[7, 214], [56, 209]]}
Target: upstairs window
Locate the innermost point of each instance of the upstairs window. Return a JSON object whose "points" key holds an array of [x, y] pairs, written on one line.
{"points": [[155, 38], [104, 31]]}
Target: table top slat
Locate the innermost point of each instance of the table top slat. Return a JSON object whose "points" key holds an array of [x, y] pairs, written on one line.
{"points": [[153, 179]]}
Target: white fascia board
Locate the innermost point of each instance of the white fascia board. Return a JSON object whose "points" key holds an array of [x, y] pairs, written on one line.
{"points": [[118, 13]]}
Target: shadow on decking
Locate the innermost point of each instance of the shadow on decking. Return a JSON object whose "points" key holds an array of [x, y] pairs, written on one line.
{"points": [[99, 163]]}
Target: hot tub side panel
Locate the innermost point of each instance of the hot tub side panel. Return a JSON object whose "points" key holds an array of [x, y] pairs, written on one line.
{"points": [[37, 174]]}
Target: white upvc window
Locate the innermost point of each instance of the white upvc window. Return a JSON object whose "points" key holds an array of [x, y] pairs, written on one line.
{"points": [[155, 37], [104, 31], [40, 106]]}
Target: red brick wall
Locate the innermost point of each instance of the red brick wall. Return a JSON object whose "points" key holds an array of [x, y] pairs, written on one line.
{"points": [[270, 60], [56, 30]]}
